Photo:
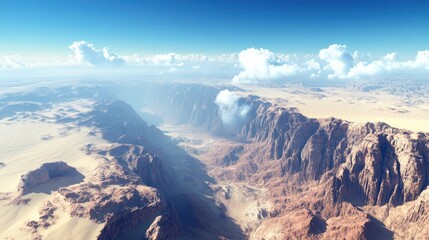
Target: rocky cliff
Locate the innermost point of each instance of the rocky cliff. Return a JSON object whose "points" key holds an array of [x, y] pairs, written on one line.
{"points": [[370, 165], [126, 193], [143, 156], [47, 172]]}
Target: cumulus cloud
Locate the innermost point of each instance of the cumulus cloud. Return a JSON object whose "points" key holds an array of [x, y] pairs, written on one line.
{"points": [[86, 53], [390, 57], [384, 65], [339, 61], [422, 60], [332, 62], [250, 66], [312, 65], [262, 65], [232, 112], [358, 66], [388, 65]]}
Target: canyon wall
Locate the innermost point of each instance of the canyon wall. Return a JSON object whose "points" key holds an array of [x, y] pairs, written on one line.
{"points": [[370, 163]]}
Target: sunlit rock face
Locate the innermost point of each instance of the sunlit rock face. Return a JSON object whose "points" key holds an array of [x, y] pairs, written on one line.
{"points": [[308, 178], [47, 172], [370, 165]]}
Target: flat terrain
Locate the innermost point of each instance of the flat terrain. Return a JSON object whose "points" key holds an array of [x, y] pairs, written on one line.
{"points": [[398, 110]]}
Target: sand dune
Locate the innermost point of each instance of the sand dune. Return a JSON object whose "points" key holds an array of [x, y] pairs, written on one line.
{"points": [[26, 145]]}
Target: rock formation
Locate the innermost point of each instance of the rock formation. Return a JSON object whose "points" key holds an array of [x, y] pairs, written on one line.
{"points": [[138, 158], [306, 178], [47, 172], [372, 165]]}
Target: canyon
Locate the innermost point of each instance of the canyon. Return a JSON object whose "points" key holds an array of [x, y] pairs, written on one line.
{"points": [[332, 173], [248, 169]]}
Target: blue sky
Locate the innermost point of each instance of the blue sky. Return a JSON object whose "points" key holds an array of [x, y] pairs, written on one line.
{"points": [[243, 41], [46, 27]]}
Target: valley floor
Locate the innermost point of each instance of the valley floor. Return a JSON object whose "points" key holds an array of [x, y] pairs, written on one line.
{"points": [[247, 205]]}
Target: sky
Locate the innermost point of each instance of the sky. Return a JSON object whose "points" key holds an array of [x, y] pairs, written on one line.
{"points": [[44, 30]]}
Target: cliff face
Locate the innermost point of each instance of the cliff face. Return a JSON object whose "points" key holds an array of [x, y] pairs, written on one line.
{"points": [[369, 163], [47, 172], [142, 156], [126, 193], [119, 122], [144, 153], [335, 162], [136, 159]]}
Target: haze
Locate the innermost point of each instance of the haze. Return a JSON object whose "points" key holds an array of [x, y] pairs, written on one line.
{"points": [[214, 119]]}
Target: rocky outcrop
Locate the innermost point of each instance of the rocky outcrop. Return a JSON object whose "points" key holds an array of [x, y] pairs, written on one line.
{"points": [[47, 172], [147, 166], [163, 227], [118, 194], [408, 220], [99, 204], [125, 192], [46, 219], [304, 224], [370, 164], [231, 157], [118, 122]]}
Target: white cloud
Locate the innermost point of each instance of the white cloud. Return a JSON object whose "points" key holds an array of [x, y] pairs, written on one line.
{"points": [[384, 65], [363, 69], [250, 66], [232, 113], [262, 65], [164, 59], [388, 65], [85, 53], [312, 65], [390, 57], [338, 60], [13, 61], [422, 60]]}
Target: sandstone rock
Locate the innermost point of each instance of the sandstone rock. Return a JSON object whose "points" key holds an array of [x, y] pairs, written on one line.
{"points": [[231, 156], [145, 165], [327, 166], [164, 227], [48, 171]]}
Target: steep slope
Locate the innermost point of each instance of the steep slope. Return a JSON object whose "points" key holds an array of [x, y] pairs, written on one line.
{"points": [[200, 217]]}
